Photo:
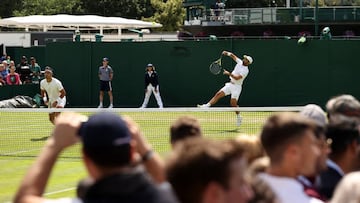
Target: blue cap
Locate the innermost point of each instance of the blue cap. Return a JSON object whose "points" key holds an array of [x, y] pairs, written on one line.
{"points": [[106, 59], [105, 129]]}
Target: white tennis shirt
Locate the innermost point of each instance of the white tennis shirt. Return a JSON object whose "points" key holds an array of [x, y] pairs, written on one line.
{"points": [[287, 190], [239, 69], [52, 88]]}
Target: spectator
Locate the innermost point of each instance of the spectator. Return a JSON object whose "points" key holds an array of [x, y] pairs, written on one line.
{"points": [[343, 108], [289, 141], [6, 64], [8, 59], [219, 5], [13, 78], [202, 170], [184, 127], [348, 189], [24, 71], [3, 57], [2, 81], [252, 146], [3, 71], [325, 34], [344, 116], [35, 71], [262, 191], [315, 113], [108, 152], [259, 165]]}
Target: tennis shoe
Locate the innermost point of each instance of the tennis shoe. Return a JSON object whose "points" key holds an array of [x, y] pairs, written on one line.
{"points": [[100, 106], [202, 106], [238, 120], [111, 106]]}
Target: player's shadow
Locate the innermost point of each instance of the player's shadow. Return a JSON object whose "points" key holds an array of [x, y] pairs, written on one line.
{"points": [[236, 130], [39, 139]]}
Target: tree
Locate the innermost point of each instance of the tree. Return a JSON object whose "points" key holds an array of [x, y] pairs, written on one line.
{"points": [[47, 7], [134, 9], [7, 7], [169, 13]]}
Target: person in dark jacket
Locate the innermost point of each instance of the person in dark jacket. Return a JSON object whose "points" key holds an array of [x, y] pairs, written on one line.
{"points": [[111, 157], [151, 86]]}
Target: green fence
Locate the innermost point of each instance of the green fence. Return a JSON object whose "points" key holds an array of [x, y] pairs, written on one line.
{"points": [[284, 73]]}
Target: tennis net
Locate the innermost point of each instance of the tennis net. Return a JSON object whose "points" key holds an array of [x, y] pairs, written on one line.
{"points": [[23, 132]]}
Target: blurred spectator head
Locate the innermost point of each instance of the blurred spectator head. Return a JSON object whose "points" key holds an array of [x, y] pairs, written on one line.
{"points": [[343, 108], [349, 33], [315, 113], [251, 145], [106, 140], [348, 189], [201, 169], [184, 127], [290, 139]]}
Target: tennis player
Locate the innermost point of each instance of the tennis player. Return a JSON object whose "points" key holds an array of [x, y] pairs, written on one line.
{"points": [[151, 86], [234, 87], [54, 90]]}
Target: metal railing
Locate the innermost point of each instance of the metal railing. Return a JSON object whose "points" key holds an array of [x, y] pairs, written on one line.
{"points": [[273, 15]]}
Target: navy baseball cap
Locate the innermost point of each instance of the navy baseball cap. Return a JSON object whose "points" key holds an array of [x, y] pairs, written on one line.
{"points": [[106, 140], [105, 59]]}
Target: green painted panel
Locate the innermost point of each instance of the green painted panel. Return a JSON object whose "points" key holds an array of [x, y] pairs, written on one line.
{"points": [[283, 73]]}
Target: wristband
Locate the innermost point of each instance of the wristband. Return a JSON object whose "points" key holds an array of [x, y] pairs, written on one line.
{"points": [[229, 54], [44, 99], [147, 155]]}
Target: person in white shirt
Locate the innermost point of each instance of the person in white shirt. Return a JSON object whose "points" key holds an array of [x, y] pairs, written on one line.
{"points": [[55, 91], [290, 142], [234, 87]]}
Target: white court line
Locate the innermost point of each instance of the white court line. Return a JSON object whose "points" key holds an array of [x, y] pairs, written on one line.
{"points": [[52, 193], [60, 191], [19, 152]]}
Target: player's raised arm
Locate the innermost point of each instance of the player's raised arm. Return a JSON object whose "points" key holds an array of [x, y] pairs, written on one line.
{"points": [[231, 55]]}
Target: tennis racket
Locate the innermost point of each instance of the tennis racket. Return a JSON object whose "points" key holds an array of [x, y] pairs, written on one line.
{"points": [[215, 67]]}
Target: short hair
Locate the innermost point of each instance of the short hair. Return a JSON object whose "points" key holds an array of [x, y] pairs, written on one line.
{"points": [[251, 145], [283, 129], [184, 127], [342, 135], [342, 108], [195, 163]]}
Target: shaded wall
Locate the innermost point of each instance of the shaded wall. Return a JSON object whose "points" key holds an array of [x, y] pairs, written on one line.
{"points": [[283, 74]]}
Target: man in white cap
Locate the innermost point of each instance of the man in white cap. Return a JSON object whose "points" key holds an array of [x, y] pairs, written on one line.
{"points": [[234, 87]]}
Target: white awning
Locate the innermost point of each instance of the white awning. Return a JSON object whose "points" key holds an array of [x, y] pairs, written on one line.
{"points": [[74, 22]]}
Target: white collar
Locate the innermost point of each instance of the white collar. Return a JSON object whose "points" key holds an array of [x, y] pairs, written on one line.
{"points": [[305, 181], [334, 166]]}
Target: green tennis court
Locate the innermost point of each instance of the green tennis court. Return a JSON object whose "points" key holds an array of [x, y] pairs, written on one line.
{"points": [[23, 133]]}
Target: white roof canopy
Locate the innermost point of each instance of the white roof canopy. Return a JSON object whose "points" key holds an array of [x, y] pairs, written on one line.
{"points": [[74, 22]]}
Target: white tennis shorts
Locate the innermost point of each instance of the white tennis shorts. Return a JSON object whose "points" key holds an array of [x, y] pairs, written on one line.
{"points": [[61, 102], [233, 89]]}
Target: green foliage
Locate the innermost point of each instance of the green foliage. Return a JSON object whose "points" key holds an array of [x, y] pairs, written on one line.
{"points": [[47, 7], [7, 7], [134, 9], [170, 14]]}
